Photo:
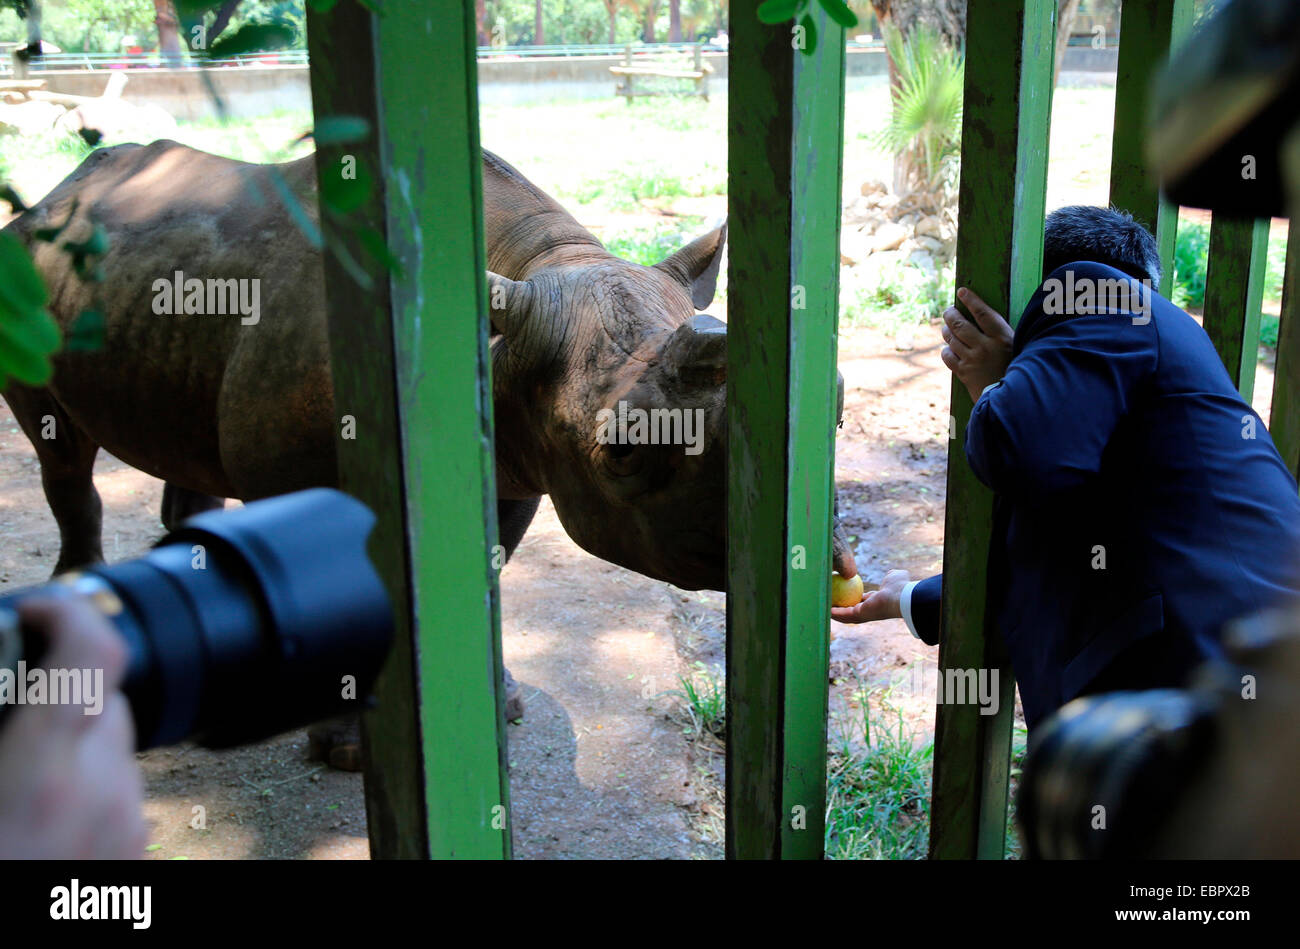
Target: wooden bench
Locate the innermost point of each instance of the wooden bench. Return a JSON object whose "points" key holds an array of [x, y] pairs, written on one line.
{"points": [[659, 69], [19, 90]]}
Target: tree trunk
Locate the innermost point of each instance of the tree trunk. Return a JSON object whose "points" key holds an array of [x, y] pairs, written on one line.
{"points": [[651, 10], [674, 21], [1065, 12], [480, 21], [539, 37], [33, 30], [611, 7], [221, 20], [169, 37]]}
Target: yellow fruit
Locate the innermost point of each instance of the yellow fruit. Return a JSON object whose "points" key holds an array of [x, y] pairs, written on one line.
{"points": [[845, 592]]}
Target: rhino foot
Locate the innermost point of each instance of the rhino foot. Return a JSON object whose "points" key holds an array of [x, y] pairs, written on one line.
{"points": [[514, 698], [337, 742]]}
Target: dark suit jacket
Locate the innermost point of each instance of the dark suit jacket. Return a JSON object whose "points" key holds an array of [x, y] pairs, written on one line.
{"points": [[1140, 505]]}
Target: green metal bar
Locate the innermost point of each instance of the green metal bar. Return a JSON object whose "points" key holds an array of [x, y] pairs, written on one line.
{"points": [[411, 365], [1148, 33], [1284, 417], [785, 153], [1234, 292], [1008, 86]]}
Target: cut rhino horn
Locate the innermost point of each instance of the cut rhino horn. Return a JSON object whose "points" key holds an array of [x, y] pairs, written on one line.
{"points": [[508, 303], [699, 343]]}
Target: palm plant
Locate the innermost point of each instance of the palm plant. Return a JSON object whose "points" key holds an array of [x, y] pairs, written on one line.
{"points": [[924, 129]]}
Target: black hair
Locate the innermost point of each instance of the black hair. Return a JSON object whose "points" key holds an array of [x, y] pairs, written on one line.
{"points": [[1101, 235]]}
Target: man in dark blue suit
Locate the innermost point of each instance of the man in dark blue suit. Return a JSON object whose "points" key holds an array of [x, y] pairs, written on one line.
{"points": [[1140, 503]]}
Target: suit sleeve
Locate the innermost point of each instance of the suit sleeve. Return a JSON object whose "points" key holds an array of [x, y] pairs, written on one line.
{"points": [[924, 612], [1041, 432]]}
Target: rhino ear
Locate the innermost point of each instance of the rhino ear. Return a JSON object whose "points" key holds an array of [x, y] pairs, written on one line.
{"points": [[509, 302], [696, 265]]}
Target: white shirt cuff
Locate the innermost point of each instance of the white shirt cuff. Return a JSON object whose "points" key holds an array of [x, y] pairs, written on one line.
{"points": [[905, 603]]}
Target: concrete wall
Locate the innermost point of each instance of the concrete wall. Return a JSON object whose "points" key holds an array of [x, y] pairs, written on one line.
{"points": [[257, 90], [247, 91]]}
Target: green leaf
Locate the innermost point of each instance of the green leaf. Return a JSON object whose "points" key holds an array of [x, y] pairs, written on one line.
{"points": [[339, 130], [810, 34], [840, 13], [195, 8], [87, 334], [28, 365], [296, 210], [373, 243], [152, 847], [20, 285], [777, 11], [253, 38], [322, 6], [344, 195]]}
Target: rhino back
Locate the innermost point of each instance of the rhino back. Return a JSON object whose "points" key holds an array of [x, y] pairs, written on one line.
{"points": [[186, 397]]}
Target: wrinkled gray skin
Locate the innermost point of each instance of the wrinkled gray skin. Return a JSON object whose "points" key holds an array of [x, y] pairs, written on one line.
{"points": [[220, 409]]}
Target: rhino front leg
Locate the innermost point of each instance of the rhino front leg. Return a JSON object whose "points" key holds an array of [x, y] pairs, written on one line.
{"points": [[513, 518], [67, 457], [338, 741], [179, 503]]}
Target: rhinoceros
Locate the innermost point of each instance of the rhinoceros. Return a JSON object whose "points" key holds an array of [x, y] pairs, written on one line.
{"points": [[221, 407]]}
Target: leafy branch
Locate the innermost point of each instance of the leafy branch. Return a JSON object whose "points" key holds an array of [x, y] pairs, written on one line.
{"points": [[779, 11]]}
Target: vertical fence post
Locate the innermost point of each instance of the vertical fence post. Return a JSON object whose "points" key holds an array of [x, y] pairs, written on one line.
{"points": [[1284, 417], [785, 149], [1234, 292], [1149, 32], [1008, 93], [410, 365]]}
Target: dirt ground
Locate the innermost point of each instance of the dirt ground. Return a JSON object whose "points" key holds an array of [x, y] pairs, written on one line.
{"points": [[600, 766]]}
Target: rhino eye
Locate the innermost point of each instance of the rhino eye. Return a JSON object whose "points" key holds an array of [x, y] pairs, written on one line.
{"points": [[623, 460]]}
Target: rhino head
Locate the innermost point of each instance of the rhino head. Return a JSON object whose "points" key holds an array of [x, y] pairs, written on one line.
{"points": [[610, 395]]}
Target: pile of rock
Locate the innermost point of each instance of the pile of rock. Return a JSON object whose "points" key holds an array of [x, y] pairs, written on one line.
{"points": [[881, 229]]}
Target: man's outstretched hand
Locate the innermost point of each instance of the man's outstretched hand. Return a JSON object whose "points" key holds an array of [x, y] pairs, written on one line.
{"points": [[878, 604], [978, 354]]}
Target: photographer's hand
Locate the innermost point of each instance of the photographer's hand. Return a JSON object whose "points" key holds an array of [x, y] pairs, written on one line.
{"points": [[70, 787]]}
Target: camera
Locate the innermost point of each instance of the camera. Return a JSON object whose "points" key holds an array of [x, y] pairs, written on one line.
{"points": [[1202, 771], [239, 625]]}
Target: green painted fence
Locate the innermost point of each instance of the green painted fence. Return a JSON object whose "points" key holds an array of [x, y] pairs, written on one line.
{"points": [[1007, 113], [785, 147], [436, 780], [411, 366]]}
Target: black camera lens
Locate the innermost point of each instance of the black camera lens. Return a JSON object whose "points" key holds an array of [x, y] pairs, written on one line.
{"points": [[241, 624], [1100, 776]]}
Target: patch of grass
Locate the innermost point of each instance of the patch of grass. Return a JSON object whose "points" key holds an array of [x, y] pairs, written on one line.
{"points": [[1019, 745], [878, 796], [901, 295], [1268, 326], [34, 164], [648, 246], [704, 700], [627, 187], [878, 783], [1191, 255]]}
